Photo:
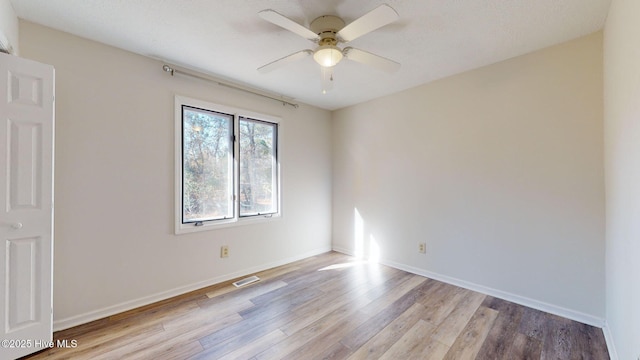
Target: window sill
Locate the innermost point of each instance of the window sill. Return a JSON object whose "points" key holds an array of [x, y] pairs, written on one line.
{"points": [[221, 224]]}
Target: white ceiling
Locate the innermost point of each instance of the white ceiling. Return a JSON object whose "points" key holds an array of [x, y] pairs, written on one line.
{"points": [[432, 39]]}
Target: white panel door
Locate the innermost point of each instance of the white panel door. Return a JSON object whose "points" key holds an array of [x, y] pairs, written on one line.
{"points": [[26, 198]]}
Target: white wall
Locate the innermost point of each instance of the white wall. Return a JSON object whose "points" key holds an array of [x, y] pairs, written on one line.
{"points": [[622, 168], [499, 170], [8, 26], [114, 182]]}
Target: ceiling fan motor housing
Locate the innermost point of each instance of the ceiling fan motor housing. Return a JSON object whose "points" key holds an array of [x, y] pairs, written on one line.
{"points": [[326, 27]]}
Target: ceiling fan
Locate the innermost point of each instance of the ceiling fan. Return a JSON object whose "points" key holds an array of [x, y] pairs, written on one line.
{"points": [[328, 31]]}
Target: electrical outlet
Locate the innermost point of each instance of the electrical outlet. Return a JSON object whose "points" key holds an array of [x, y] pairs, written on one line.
{"points": [[422, 248], [224, 251]]}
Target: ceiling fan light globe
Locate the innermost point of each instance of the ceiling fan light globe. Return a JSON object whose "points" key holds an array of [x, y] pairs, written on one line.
{"points": [[327, 55]]}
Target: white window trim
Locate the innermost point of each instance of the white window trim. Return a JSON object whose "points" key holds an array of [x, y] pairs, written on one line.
{"points": [[237, 220]]}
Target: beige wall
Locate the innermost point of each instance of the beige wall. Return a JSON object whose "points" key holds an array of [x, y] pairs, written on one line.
{"points": [[499, 170], [622, 165], [114, 182]]}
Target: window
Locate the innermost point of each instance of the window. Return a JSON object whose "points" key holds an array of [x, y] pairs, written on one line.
{"points": [[258, 167], [227, 169]]}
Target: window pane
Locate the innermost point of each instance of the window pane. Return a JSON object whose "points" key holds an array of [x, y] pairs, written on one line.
{"points": [[258, 167], [207, 181]]}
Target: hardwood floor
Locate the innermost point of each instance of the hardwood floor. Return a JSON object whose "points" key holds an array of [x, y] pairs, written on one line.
{"points": [[333, 307]]}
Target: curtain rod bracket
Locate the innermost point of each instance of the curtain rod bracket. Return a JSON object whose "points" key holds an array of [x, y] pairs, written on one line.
{"points": [[168, 69]]}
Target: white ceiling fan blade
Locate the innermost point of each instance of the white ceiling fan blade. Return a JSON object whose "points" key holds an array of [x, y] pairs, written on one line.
{"points": [[370, 59], [276, 18], [283, 61], [374, 19]]}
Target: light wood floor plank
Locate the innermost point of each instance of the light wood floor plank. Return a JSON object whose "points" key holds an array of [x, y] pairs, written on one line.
{"points": [[440, 301], [452, 326], [246, 292], [277, 272], [417, 344], [393, 294], [174, 350], [320, 307], [376, 323], [314, 331], [470, 340], [318, 346], [383, 340], [157, 343], [257, 346]]}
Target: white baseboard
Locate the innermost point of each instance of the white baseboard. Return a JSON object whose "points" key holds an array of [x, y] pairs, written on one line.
{"points": [[608, 338], [65, 323], [340, 249], [525, 301]]}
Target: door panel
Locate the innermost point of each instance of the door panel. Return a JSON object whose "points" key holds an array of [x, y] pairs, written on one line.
{"points": [[26, 205], [24, 274], [25, 159]]}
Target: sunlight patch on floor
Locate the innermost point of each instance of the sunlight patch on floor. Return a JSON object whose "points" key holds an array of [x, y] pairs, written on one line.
{"points": [[344, 265]]}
